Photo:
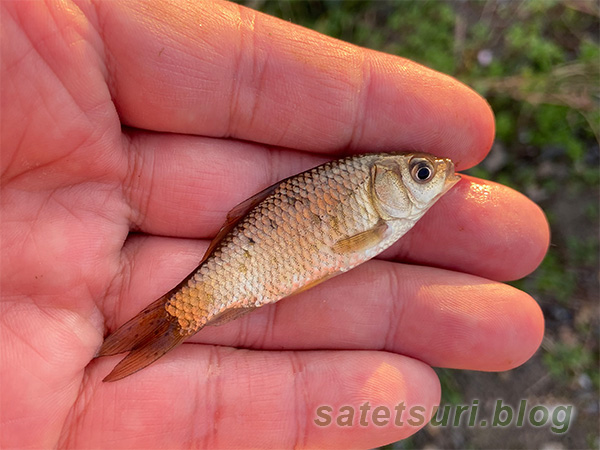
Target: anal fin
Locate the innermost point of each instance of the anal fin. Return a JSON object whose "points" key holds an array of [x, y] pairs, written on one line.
{"points": [[313, 283], [229, 315]]}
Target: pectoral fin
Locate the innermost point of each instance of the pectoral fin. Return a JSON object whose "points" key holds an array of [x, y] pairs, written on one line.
{"points": [[361, 241]]}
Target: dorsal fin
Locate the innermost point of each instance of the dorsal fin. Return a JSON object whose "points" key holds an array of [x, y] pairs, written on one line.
{"points": [[236, 214]]}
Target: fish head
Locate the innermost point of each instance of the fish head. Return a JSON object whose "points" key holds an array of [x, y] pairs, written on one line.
{"points": [[405, 186]]}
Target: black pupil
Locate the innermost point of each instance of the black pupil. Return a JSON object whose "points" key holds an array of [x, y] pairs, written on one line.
{"points": [[423, 173]]}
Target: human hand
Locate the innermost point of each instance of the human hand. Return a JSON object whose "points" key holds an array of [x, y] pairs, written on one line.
{"points": [[122, 117]]}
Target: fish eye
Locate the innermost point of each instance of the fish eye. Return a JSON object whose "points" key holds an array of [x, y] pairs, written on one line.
{"points": [[422, 171]]}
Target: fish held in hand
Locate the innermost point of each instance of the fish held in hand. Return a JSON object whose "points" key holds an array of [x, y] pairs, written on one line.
{"points": [[284, 240]]}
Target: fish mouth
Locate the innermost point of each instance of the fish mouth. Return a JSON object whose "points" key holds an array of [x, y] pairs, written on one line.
{"points": [[451, 176]]}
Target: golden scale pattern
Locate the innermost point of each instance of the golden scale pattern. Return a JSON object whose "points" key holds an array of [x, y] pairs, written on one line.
{"points": [[283, 244]]}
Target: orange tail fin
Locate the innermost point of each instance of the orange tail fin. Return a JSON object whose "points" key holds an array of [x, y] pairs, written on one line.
{"points": [[148, 336]]}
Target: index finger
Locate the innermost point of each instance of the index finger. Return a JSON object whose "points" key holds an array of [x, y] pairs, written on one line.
{"points": [[219, 69]]}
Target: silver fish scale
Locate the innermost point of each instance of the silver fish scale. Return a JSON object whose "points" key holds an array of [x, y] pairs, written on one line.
{"points": [[306, 229], [283, 244]]}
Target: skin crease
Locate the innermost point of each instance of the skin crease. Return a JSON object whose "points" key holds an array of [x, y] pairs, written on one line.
{"points": [[96, 98]]}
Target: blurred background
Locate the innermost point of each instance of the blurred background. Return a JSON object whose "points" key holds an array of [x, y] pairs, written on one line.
{"points": [[537, 62]]}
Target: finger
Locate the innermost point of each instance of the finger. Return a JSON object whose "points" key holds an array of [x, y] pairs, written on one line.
{"points": [[479, 227], [214, 397], [184, 186], [443, 318], [219, 69]]}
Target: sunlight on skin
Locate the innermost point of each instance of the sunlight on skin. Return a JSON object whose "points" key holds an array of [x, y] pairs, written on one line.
{"points": [[479, 193], [382, 373]]}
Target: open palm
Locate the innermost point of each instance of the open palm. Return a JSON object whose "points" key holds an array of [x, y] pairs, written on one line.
{"points": [[130, 129]]}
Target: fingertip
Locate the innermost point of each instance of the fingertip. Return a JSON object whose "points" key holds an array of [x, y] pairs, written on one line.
{"points": [[461, 321], [435, 112], [422, 383], [498, 232], [483, 126], [536, 239], [402, 379], [523, 232], [510, 331], [390, 396], [519, 329], [533, 328], [466, 122]]}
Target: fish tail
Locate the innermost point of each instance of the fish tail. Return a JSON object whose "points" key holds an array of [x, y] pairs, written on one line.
{"points": [[148, 336]]}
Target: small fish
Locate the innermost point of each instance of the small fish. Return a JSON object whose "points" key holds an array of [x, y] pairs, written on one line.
{"points": [[284, 240]]}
